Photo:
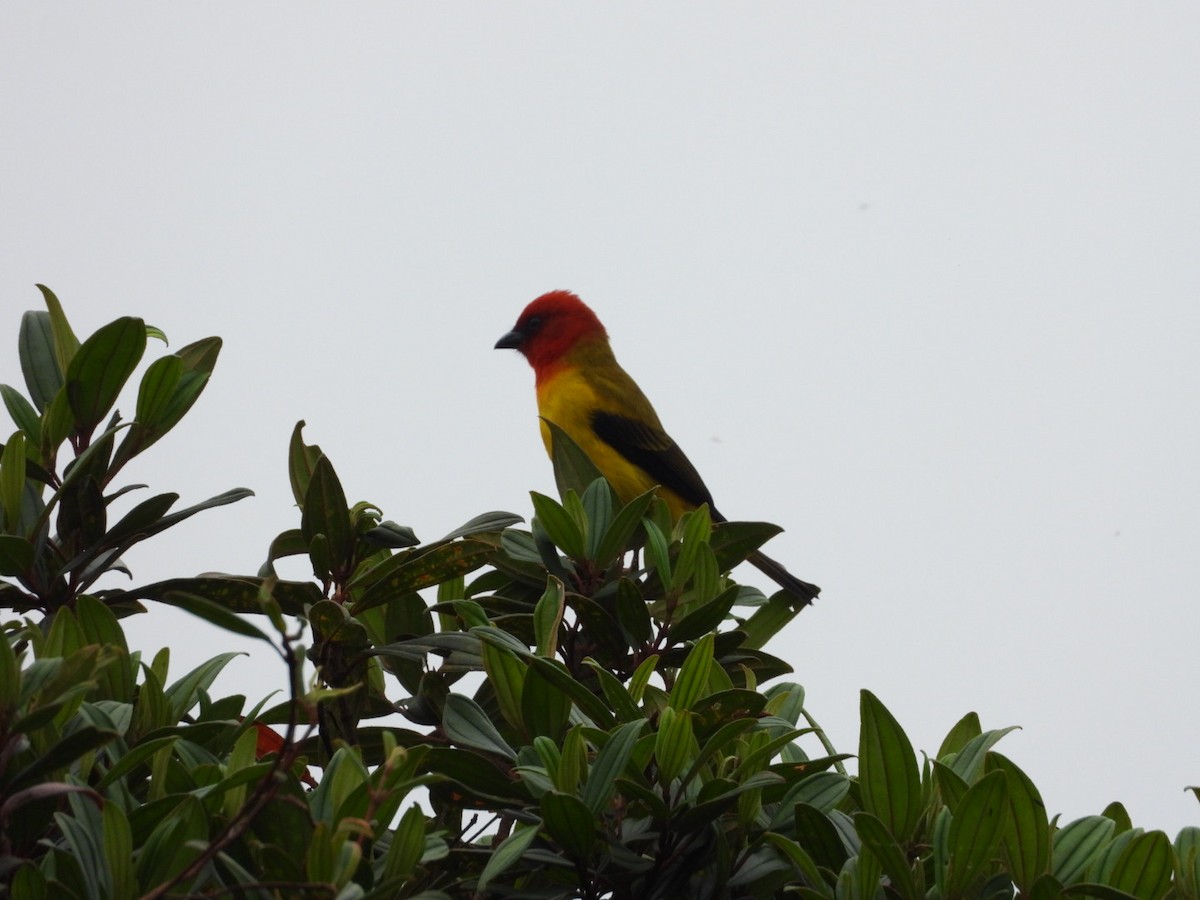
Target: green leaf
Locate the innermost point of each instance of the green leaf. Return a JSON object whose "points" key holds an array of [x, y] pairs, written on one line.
{"points": [[174, 843], [674, 743], [620, 532], [559, 525], [768, 620], [733, 542], [325, 513], [467, 724], [507, 676], [632, 613], [39, 363], [589, 704], [100, 369], [66, 344], [60, 755], [696, 532], [237, 594], [975, 831], [16, 556], [1026, 830], [12, 480], [964, 730], [544, 708], [802, 863], [485, 523], [969, 761], [118, 851], [184, 693], [570, 823], [887, 851], [1077, 844], [403, 574], [1145, 866], [506, 854], [657, 552], [888, 776], [573, 469], [302, 459], [692, 680], [157, 388], [214, 614], [1187, 853], [547, 617], [705, 618], [816, 833], [23, 414], [609, 764]]}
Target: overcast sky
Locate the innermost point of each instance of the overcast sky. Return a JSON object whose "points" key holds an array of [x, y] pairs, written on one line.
{"points": [[918, 282]]}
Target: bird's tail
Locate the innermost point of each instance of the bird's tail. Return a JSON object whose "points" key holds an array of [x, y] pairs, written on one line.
{"points": [[802, 589]]}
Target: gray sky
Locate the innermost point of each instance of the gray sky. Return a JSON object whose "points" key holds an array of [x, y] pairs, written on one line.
{"points": [[918, 282]]}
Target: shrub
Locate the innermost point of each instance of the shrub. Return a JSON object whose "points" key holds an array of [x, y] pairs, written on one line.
{"points": [[591, 712]]}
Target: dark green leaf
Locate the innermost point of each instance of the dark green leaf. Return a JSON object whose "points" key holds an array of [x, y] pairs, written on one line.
{"points": [[888, 775], [964, 730], [100, 369], [403, 574], [969, 761], [16, 555], [570, 823], [632, 613], [214, 614], [768, 620], [589, 704], [692, 681], [559, 525], [302, 459], [238, 594], [468, 725], [975, 831], [325, 513], [733, 542], [140, 519], [1027, 830], [573, 469], [158, 386], [184, 693], [1145, 866], [888, 852], [544, 708], [817, 834], [506, 854], [619, 534], [23, 414], [949, 783], [12, 480], [66, 344], [706, 618], [39, 363], [1077, 844], [392, 536], [485, 523], [609, 764], [62, 754], [547, 616]]}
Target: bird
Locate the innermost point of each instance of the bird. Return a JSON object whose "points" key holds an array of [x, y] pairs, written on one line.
{"points": [[584, 391]]}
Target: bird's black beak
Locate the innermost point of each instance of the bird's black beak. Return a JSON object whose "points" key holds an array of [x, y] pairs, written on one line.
{"points": [[510, 341]]}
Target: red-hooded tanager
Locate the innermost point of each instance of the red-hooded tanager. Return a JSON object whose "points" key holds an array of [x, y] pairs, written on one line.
{"points": [[582, 390]]}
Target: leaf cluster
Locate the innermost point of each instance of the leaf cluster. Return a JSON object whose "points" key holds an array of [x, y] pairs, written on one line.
{"points": [[578, 709]]}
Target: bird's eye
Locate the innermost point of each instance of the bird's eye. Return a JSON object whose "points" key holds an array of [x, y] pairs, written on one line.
{"points": [[533, 325]]}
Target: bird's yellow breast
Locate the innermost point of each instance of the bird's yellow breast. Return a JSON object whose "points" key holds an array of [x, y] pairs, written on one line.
{"points": [[569, 397]]}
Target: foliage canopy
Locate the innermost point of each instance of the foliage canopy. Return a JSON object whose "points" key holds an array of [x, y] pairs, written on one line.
{"points": [[587, 701]]}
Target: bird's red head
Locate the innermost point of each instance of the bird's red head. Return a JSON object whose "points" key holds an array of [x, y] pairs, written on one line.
{"points": [[551, 327]]}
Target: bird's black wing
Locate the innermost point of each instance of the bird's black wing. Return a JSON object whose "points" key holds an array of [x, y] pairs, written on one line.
{"points": [[652, 451]]}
